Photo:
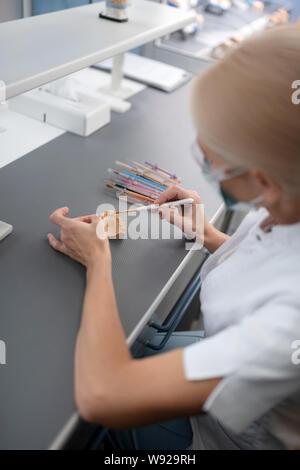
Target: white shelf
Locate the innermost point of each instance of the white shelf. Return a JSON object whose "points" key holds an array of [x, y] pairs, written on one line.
{"points": [[40, 49]]}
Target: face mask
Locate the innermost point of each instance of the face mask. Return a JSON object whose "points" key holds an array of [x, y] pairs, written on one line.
{"points": [[233, 204], [216, 176]]}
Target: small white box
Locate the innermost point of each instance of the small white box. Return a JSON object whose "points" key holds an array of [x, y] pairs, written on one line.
{"points": [[82, 117]]}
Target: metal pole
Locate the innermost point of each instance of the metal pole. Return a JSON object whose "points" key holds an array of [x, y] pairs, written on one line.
{"points": [[117, 72], [27, 8]]}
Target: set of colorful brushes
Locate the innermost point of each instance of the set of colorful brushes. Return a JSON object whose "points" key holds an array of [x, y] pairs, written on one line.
{"points": [[140, 182]]}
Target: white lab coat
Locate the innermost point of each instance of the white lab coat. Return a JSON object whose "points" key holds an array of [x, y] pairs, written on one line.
{"points": [[250, 300]]}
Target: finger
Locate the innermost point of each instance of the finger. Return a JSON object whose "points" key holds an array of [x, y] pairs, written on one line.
{"points": [[176, 219], [100, 230], [173, 193], [85, 218], [59, 218], [56, 244], [171, 215], [95, 218], [155, 209]]}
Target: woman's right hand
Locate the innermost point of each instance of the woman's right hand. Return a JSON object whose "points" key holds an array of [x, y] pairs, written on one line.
{"points": [[190, 218]]}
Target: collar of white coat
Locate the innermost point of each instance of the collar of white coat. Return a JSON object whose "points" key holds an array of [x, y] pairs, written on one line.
{"points": [[287, 235]]}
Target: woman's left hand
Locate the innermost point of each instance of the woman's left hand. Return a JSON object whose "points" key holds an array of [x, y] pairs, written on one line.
{"points": [[80, 238]]}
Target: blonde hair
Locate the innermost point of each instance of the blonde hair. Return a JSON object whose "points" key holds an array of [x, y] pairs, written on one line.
{"points": [[243, 106]]}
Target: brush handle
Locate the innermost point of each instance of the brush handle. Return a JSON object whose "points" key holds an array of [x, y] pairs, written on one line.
{"points": [[178, 203], [155, 206]]}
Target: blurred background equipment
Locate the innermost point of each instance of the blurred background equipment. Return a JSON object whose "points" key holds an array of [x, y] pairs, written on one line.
{"points": [[223, 24]]}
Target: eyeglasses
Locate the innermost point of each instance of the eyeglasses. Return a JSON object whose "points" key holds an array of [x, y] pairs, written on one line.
{"points": [[218, 174]]}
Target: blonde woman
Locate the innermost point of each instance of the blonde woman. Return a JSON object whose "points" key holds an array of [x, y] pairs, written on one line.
{"points": [[239, 388]]}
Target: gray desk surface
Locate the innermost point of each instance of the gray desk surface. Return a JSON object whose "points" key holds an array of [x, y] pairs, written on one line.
{"points": [[41, 291]]}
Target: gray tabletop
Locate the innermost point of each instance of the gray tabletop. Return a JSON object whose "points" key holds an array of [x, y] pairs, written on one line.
{"points": [[41, 291]]}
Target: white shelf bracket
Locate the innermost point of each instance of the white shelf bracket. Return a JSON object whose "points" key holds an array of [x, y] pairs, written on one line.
{"points": [[119, 89], [117, 72]]}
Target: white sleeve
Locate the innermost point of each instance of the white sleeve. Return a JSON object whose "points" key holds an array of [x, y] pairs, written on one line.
{"points": [[255, 359]]}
